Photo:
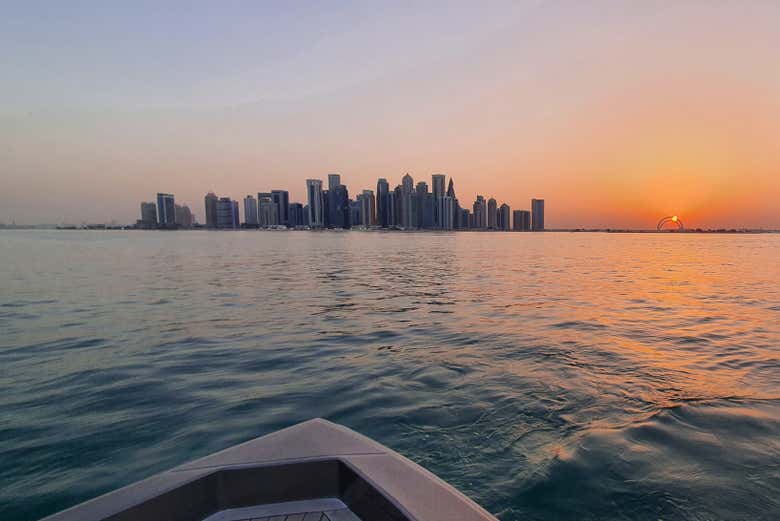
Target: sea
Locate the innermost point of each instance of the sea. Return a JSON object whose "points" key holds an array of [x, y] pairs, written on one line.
{"points": [[548, 376]]}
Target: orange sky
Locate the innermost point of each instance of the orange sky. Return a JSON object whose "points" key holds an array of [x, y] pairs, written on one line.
{"points": [[616, 114]]}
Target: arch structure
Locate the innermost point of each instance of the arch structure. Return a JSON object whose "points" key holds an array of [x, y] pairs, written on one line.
{"points": [[670, 219]]}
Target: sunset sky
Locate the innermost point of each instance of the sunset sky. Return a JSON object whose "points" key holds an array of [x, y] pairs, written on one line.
{"points": [[616, 113]]}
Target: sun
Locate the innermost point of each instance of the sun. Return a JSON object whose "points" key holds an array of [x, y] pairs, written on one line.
{"points": [[674, 218]]}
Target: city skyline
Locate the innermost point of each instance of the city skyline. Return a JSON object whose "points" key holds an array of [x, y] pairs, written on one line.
{"points": [[405, 207], [620, 114]]}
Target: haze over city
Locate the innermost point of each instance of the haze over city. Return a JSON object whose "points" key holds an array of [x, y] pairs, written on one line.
{"points": [[617, 113]]}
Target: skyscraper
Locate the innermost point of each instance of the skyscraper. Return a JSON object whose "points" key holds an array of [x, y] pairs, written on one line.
{"points": [[250, 211], [521, 221], [491, 214], [367, 208], [504, 214], [281, 199], [382, 202], [334, 180], [183, 216], [211, 210], [457, 222], [314, 192], [437, 184], [336, 203], [445, 208], [423, 208], [408, 215], [480, 213], [148, 215], [537, 214], [296, 215], [267, 210], [227, 218], [166, 211]]}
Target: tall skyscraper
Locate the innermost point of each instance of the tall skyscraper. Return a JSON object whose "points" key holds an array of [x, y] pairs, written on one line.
{"points": [[148, 215], [423, 207], [250, 211], [211, 210], [281, 199], [227, 213], [521, 221], [408, 215], [267, 210], [367, 208], [504, 214], [480, 214], [183, 216], [338, 207], [334, 180], [492, 214], [382, 202], [296, 215], [314, 192], [398, 195], [437, 184], [166, 211], [445, 208], [456, 217], [537, 214], [465, 219]]}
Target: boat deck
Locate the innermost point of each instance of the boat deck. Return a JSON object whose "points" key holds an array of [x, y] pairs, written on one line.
{"points": [[327, 509]]}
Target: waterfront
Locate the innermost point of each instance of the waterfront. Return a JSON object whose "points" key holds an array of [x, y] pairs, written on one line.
{"points": [[548, 376]]}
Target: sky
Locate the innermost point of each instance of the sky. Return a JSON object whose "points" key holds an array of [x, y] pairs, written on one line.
{"points": [[616, 113]]}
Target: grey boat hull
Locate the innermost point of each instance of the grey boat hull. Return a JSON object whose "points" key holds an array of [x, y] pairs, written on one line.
{"points": [[315, 470]]}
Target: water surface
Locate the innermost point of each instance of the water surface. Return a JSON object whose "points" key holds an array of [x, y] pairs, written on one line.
{"points": [[548, 376]]}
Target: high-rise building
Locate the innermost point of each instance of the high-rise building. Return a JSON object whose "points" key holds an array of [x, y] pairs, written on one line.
{"points": [[148, 215], [250, 211], [451, 189], [267, 210], [326, 223], [437, 184], [211, 210], [336, 199], [296, 215], [314, 192], [521, 220], [166, 211], [408, 215], [334, 180], [281, 199], [183, 216], [227, 210], [492, 214], [480, 217], [444, 214], [354, 211], [383, 203], [390, 216], [465, 219], [537, 214], [367, 208], [398, 196], [504, 214], [423, 207]]}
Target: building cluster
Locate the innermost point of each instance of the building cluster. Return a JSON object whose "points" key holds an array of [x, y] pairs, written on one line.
{"points": [[166, 214], [405, 207]]}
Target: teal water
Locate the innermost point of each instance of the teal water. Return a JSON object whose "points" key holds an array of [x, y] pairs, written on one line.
{"points": [[548, 376]]}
